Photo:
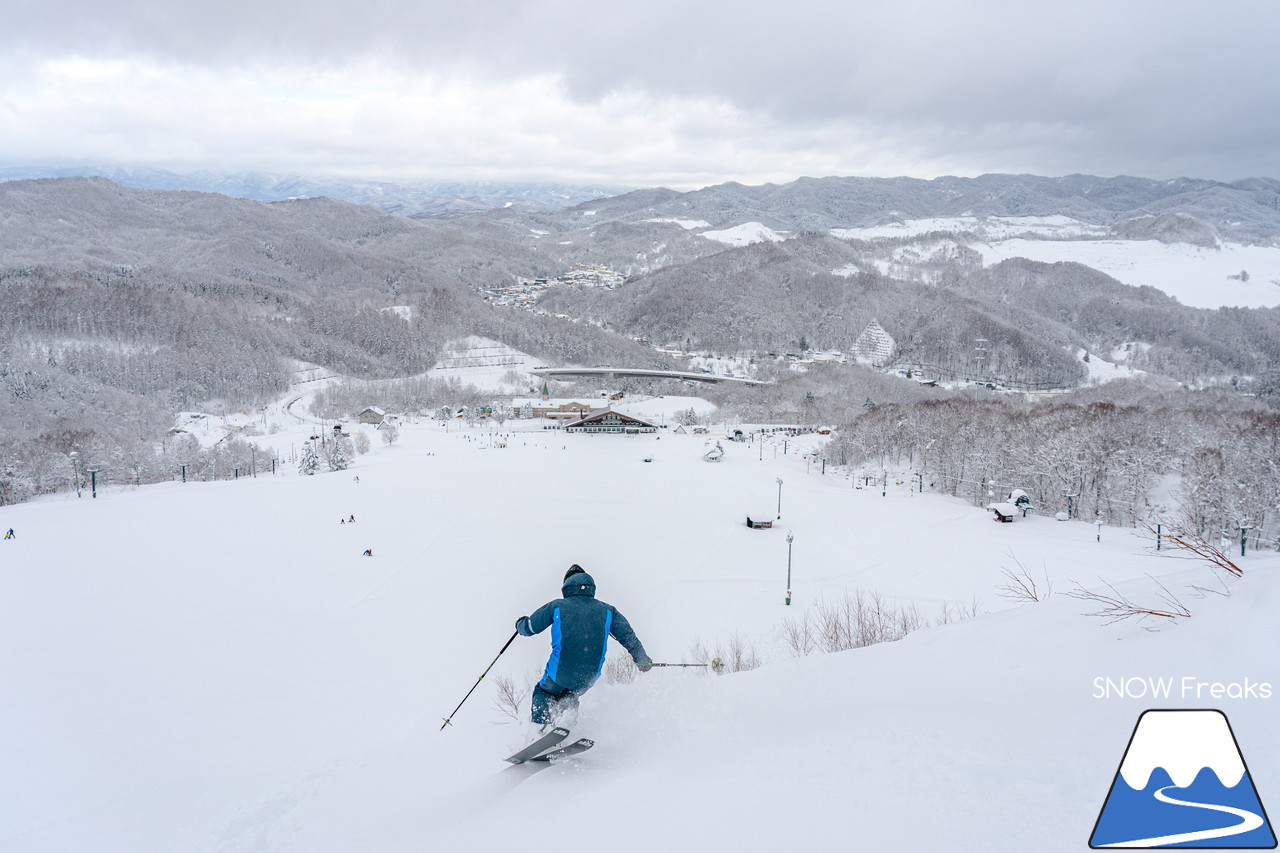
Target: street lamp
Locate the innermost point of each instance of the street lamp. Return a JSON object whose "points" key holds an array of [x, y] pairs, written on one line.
{"points": [[1246, 524], [790, 538], [75, 467], [779, 497]]}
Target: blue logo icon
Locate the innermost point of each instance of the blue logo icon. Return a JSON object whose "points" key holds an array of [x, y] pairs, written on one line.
{"points": [[1183, 783]]}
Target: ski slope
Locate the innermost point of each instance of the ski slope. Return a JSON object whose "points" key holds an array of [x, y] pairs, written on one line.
{"points": [[215, 667]]}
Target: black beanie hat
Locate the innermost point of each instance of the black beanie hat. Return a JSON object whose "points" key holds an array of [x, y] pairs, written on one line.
{"points": [[573, 570]]}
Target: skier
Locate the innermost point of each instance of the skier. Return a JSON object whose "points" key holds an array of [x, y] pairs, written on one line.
{"points": [[367, 553], [580, 630], [353, 519], [10, 535]]}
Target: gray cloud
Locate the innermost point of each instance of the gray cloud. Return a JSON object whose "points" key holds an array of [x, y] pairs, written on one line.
{"points": [[1151, 88]]}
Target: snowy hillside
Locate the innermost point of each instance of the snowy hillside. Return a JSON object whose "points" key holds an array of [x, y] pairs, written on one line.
{"points": [[216, 667], [1199, 276], [1194, 275]]}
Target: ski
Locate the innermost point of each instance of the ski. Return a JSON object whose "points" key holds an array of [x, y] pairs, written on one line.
{"points": [[542, 744], [579, 745]]}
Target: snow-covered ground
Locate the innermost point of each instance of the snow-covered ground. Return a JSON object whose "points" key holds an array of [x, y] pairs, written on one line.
{"points": [[1101, 370], [1194, 275], [988, 228], [745, 234], [215, 667], [488, 365], [686, 224]]}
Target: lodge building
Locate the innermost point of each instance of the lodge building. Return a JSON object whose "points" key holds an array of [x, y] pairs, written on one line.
{"points": [[607, 420]]}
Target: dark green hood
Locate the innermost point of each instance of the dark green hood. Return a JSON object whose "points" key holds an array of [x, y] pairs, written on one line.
{"points": [[579, 583]]}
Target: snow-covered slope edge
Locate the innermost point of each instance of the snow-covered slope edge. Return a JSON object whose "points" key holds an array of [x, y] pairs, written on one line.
{"points": [[981, 735]]}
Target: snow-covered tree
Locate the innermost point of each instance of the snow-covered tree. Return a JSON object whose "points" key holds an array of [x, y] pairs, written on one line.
{"points": [[310, 461], [390, 434], [341, 453]]}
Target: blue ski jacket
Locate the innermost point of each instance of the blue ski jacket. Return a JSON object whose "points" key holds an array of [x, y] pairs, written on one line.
{"points": [[580, 630]]}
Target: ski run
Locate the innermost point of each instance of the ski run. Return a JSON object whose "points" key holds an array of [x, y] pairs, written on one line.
{"points": [[200, 667]]}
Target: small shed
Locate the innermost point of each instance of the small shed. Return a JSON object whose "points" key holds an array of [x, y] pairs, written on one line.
{"points": [[760, 521], [1003, 511]]}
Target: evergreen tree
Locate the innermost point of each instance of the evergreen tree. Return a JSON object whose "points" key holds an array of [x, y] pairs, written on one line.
{"points": [[310, 462], [340, 453]]}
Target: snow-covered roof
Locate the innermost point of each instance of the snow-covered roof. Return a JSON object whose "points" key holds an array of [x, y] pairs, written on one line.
{"points": [[600, 413]]}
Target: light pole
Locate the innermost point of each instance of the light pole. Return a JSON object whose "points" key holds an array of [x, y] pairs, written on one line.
{"points": [[790, 538], [779, 497], [93, 475]]}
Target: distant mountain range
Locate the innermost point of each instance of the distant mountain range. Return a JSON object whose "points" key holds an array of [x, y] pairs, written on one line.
{"points": [[419, 199], [1245, 210]]}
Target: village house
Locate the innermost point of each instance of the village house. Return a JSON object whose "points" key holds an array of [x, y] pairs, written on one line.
{"points": [[371, 415]]}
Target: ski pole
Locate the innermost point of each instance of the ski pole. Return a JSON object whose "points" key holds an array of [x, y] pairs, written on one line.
{"points": [[717, 665], [449, 719]]}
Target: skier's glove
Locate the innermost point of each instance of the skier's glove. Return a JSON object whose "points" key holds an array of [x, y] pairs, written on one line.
{"points": [[523, 627], [645, 666]]}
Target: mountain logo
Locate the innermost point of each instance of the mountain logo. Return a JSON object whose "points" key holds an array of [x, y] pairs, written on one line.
{"points": [[1183, 783]]}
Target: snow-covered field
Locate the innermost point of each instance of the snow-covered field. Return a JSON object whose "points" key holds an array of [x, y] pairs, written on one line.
{"points": [[215, 667], [1194, 275], [744, 234]]}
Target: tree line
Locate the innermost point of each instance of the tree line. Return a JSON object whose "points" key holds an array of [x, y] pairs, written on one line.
{"points": [[1212, 461]]}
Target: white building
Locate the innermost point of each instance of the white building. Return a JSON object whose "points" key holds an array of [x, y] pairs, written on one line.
{"points": [[874, 346]]}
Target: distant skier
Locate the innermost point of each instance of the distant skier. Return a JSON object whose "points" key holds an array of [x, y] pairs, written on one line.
{"points": [[10, 535], [368, 552], [353, 519], [580, 630]]}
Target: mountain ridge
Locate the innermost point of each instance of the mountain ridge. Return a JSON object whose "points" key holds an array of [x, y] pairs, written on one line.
{"points": [[420, 199]]}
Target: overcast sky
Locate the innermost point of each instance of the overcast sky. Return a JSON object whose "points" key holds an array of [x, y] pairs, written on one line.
{"points": [[648, 92]]}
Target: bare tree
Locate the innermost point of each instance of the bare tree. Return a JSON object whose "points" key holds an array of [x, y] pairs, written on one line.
{"points": [[1116, 607], [1019, 585]]}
